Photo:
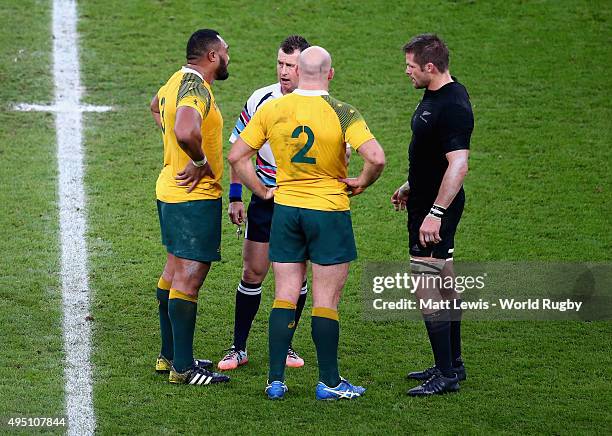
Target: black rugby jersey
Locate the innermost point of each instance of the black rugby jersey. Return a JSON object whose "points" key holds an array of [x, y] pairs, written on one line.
{"points": [[442, 122]]}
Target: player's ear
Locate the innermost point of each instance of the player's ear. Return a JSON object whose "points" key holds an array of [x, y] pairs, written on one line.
{"points": [[212, 55], [297, 69], [331, 74]]}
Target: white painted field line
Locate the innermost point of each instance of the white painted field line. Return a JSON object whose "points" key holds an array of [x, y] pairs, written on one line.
{"points": [[25, 107], [75, 281]]}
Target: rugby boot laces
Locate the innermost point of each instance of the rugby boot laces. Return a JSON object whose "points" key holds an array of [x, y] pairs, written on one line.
{"points": [[437, 384], [344, 391], [197, 376], [163, 365], [427, 373], [293, 359], [233, 359], [276, 390]]}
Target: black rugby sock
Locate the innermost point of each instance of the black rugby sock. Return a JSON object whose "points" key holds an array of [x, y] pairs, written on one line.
{"points": [[301, 302], [455, 334], [438, 330], [248, 298]]}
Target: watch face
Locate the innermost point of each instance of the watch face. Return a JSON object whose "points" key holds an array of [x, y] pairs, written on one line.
{"points": [[199, 163]]}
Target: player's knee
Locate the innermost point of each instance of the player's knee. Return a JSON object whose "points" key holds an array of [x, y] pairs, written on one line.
{"points": [[195, 282], [191, 292], [253, 273], [189, 280], [167, 278]]}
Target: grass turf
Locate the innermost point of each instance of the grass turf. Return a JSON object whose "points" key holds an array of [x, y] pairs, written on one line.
{"points": [[538, 189], [31, 348]]}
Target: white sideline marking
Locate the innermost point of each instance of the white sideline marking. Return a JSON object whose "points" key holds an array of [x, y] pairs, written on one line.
{"points": [[75, 281]]}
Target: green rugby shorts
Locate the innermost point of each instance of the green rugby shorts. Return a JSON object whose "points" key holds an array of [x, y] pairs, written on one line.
{"points": [[323, 237], [192, 230]]}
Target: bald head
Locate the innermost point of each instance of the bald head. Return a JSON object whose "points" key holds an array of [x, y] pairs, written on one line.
{"points": [[314, 64]]}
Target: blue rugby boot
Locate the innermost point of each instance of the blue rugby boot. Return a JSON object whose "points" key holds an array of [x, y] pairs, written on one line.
{"points": [[344, 391], [276, 390]]}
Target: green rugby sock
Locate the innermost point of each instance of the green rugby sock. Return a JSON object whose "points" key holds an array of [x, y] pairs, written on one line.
{"points": [[281, 328], [182, 310], [165, 327], [326, 335]]}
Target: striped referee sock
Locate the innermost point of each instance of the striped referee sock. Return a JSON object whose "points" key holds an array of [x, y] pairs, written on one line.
{"points": [[248, 297], [301, 302]]}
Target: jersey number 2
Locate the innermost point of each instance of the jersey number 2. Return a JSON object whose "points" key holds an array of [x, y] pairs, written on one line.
{"points": [[300, 156]]}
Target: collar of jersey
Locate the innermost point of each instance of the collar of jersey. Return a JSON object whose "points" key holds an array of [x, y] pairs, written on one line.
{"points": [[310, 92], [192, 71]]}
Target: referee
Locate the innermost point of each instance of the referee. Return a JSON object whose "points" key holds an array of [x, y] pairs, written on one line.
{"points": [[441, 126]]}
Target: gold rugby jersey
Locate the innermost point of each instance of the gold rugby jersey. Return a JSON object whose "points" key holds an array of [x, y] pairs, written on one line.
{"points": [[186, 87], [308, 132]]}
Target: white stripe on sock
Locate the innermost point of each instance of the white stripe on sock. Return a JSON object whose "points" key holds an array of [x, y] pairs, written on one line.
{"points": [[248, 291]]}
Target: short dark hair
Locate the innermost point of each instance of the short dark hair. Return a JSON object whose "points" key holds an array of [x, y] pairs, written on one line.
{"points": [[201, 42], [426, 48], [293, 43]]}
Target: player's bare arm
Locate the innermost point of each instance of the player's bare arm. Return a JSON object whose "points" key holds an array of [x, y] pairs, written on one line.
{"points": [[374, 163], [187, 130], [155, 111], [235, 210], [453, 177], [240, 160], [429, 233]]}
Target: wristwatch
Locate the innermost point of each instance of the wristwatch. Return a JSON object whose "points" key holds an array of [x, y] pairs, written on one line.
{"points": [[199, 163]]}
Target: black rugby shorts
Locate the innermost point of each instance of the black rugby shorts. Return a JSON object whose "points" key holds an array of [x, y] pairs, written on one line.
{"points": [[259, 219], [417, 211]]}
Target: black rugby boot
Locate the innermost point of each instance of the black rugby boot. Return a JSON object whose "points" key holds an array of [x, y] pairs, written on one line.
{"points": [[426, 373], [437, 384]]}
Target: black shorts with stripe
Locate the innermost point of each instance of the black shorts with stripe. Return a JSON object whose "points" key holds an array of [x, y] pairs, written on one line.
{"points": [[259, 219], [417, 211]]}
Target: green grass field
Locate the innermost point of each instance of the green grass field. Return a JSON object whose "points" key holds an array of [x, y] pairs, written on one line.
{"points": [[538, 189]]}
